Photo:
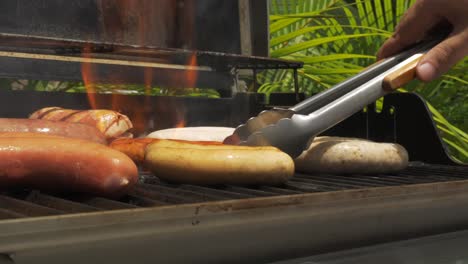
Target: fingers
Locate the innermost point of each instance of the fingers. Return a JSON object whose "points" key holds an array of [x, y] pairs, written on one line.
{"points": [[411, 28], [443, 56]]}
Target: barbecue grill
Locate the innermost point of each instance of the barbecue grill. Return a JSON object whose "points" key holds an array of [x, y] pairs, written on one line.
{"points": [[181, 223]]}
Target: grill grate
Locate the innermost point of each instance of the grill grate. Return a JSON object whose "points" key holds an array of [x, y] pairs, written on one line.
{"points": [[152, 192]]}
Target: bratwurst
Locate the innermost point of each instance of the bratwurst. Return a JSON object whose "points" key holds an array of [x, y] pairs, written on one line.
{"points": [[111, 123], [351, 155], [64, 164], [55, 128], [133, 147], [202, 163]]}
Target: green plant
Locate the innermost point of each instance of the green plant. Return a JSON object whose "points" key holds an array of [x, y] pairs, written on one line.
{"points": [[336, 39], [129, 89]]}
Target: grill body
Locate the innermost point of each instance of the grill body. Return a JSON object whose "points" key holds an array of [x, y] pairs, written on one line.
{"points": [[230, 224]]}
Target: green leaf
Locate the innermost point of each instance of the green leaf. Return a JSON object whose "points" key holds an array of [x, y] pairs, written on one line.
{"points": [[315, 42], [333, 57]]}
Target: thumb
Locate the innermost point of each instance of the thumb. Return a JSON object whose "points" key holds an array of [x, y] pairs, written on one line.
{"points": [[443, 56]]}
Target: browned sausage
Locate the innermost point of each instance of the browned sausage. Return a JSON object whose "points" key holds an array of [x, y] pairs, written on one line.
{"points": [[57, 128], [111, 123], [63, 164], [135, 147]]}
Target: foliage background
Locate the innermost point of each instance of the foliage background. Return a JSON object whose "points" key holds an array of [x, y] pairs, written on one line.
{"points": [[337, 39]]}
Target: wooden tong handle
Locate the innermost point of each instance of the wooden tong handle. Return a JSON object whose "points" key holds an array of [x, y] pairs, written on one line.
{"points": [[401, 77]]}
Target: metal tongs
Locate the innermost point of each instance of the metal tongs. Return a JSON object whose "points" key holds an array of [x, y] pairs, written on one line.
{"points": [[291, 129]]}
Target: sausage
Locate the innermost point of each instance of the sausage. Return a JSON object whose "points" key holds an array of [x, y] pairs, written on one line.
{"points": [[351, 155], [111, 123], [65, 129], [200, 163], [62, 164], [135, 147]]}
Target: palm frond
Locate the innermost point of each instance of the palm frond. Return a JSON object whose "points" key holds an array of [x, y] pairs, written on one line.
{"points": [[336, 38]]}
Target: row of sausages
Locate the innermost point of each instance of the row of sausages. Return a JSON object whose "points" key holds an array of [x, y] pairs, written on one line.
{"points": [[61, 150]]}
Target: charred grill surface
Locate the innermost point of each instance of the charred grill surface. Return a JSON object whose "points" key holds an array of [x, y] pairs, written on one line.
{"points": [[151, 192]]}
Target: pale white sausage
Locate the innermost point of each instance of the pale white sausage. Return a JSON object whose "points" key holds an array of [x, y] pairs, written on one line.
{"points": [[350, 155]]}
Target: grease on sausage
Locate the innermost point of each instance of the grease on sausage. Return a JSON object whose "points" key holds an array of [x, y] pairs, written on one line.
{"points": [[64, 164], [56, 128]]}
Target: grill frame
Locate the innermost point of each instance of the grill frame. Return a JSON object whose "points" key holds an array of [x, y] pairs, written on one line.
{"points": [[287, 226]]}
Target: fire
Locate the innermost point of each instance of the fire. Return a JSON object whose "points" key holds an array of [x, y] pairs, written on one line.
{"points": [[120, 18], [191, 75], [87, 72], [180, 124]]}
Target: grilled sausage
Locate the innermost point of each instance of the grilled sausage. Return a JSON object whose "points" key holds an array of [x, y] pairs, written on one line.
{"points": [[64, 164], [135, 148], [57, 128], [112, 124], [351, 155], [201, 163]]}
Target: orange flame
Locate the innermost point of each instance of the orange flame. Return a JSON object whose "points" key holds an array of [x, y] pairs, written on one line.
{"points": [[180, 124], [87, 73], [191, 75], [148, 16]]}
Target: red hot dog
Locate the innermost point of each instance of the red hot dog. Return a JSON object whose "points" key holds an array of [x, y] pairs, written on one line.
{"points": [[64, 164], [57, 128]]}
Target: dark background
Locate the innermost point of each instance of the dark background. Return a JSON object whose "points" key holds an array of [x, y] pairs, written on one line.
{"points": [[192, 24]]}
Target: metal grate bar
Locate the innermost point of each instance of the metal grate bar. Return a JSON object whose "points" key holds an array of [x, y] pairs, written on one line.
{"points": [[58, 203], [279, 190], [7, 214], [26, 208], [184, 194], [403, 179], [158, 198], [430, 178], [441, 173], [325, 183], [142, 201], [212, 191], [249, 191], [356, 179], [308, 187], [103, 203], [152, 192], [338, 181]]}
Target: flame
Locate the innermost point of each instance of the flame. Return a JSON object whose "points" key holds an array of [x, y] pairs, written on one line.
{"points": [[87, 73], [191, 75], [180, 124], [119, 18]]}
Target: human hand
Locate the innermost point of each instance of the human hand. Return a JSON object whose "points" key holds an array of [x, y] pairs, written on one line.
{"points": [[417, 23]]}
